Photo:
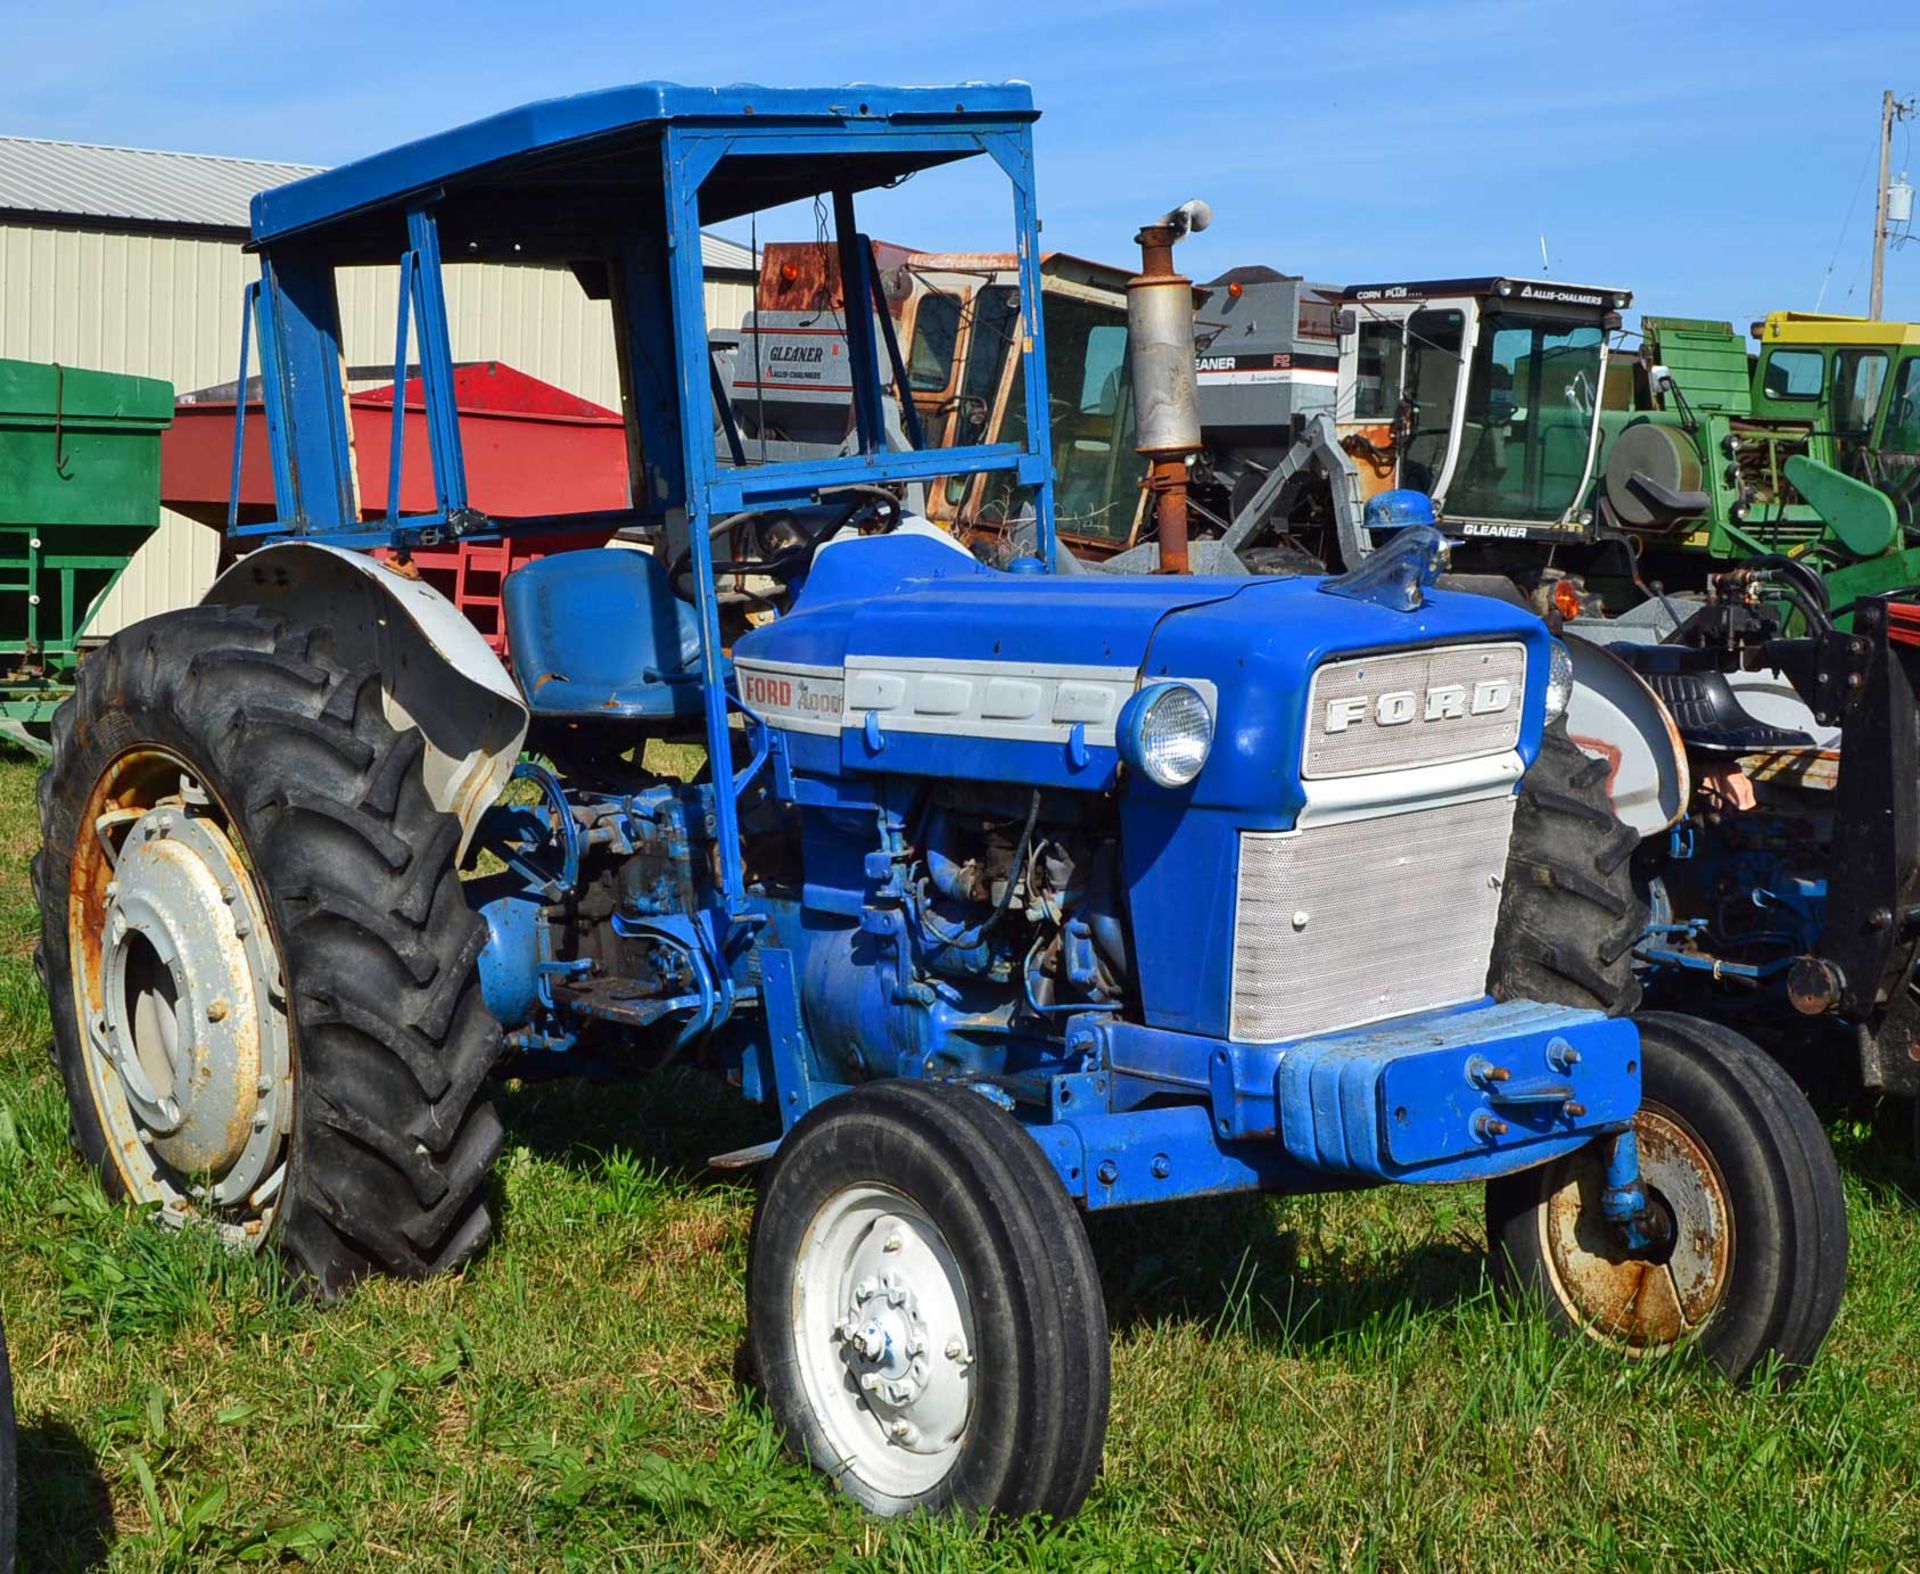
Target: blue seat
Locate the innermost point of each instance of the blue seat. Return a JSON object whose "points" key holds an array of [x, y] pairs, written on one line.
{"points": [[601, 633]]}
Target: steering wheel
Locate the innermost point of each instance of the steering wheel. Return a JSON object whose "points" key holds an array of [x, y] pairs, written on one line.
{"points": [[792, 536]]}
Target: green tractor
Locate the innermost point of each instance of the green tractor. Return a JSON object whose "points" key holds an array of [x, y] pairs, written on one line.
{"points": [[1807, 450]]}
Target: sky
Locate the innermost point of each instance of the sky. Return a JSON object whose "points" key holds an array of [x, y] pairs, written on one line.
{"points": [[1716, 159]]}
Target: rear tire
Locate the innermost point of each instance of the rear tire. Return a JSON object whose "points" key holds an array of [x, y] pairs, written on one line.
{"points": [[1733, 1152], [1569, 913], [1002, 1408], [252, 931]]}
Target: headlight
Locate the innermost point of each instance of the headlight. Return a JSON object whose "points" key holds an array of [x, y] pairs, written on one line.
{"points": [[1559, 679], [1165, 733]]}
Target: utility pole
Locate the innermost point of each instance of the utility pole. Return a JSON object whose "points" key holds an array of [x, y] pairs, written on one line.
{"points": [[1891, 109]]}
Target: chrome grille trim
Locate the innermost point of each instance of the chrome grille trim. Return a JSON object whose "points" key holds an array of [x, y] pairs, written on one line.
{"points": [[1346, 696], [1399, 914]]}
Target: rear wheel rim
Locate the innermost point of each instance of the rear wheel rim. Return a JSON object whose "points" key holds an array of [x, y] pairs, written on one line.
{"points": [[884, 1339], [1641, 1304], [180, 999]]}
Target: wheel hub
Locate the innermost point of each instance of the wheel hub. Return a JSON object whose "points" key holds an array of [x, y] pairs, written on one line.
{"points": [[1645, 1300], [189, 1035], [917, 1393], [885, 1344], [886, 1339]]}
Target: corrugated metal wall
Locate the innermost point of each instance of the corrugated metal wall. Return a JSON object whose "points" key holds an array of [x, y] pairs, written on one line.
{"points": [[166, 306]]}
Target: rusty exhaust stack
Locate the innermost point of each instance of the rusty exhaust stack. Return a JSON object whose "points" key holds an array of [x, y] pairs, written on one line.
{"points": [[1165, 396]]}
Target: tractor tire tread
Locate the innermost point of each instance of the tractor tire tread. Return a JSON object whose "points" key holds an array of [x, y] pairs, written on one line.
{"points": [[1569, 912], [393, 1138]]}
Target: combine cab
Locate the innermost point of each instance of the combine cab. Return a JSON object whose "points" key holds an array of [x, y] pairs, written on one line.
{"points": [[1483, 394], [952, 320]]}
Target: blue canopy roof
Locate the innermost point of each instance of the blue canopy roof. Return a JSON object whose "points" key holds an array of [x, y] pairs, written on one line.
{"points": [[588, 135]]}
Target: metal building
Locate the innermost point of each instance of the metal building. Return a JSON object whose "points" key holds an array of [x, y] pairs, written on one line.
{"points": [[130, 261]]}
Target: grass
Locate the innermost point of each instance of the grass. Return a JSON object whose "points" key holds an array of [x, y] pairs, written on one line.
{"points": [[1297, 1384]]}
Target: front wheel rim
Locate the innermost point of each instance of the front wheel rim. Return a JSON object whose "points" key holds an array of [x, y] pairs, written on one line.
{"points": [[180, 1000], [1644, 1304], [884, 1340]]}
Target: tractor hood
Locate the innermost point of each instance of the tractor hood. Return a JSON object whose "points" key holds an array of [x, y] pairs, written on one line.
{"points": [[905, 655]]}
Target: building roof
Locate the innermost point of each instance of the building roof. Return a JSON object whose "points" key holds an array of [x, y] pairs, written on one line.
{"points": [[200, 192], [135, 185]]}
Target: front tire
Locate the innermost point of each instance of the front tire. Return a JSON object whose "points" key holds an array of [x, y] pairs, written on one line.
{"points": [[923, 1307], [1755, 1218], [260, 963]]}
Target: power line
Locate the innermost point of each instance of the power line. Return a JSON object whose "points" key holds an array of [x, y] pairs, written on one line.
{"points": [[1841, 240]]}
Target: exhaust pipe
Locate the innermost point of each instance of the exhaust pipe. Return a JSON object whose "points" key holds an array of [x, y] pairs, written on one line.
{"points": [[1165, 395]]}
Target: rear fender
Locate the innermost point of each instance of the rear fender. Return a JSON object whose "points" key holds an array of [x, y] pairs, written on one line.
{"points": [[437, 675], [1615, 716]]}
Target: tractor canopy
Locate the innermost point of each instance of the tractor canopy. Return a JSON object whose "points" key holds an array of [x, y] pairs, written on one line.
{"points": [[615, 186]]}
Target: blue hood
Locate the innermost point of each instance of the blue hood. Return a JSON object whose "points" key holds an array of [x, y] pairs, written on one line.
{"points": [[919, 601]]}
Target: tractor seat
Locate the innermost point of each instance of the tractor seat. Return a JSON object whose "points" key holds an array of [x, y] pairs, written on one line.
{"points": [[601, 633]]}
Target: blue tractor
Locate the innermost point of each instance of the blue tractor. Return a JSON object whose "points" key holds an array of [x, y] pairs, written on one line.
{"points": [[1015, 895]]}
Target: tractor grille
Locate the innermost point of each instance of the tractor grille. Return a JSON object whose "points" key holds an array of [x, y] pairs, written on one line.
{"points": [[1415, 707], [1343, 924]]}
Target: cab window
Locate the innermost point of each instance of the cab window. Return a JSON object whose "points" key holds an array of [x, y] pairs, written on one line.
{"points": [[1794, 374], [1376, 388], [1902, 435], [1434, 342], [1859, 377], [936, 329]]}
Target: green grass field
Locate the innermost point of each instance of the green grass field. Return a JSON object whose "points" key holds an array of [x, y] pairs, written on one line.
{"points": [[1297, 1385]]}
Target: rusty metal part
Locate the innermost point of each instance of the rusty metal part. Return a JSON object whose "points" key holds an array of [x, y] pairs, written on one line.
{"points": [[1165, 390], [1167, 484], [181, 1000], [1642, 1303], [1815, 985]]}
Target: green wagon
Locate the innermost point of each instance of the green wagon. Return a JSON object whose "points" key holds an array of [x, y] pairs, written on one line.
{"points": [[79, 493]]}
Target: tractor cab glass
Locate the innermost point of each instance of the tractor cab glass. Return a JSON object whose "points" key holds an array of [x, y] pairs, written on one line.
{"points": [[1794, 374], [1434, 361], [1097, 469], [1859, 379], [1376, 388], [1900, 434], [1531, 396], [936, 330]]}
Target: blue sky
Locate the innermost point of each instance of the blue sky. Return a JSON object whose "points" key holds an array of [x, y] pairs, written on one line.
{"points": [[1715, 158]]}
